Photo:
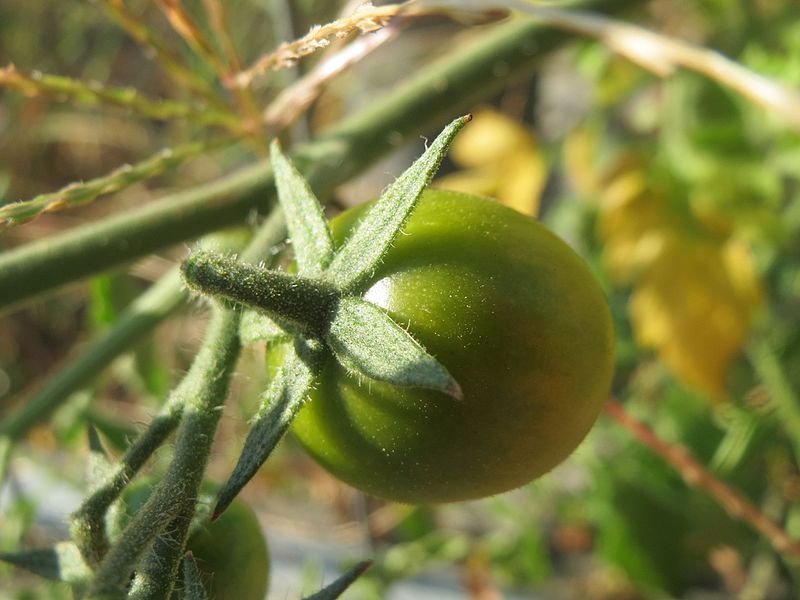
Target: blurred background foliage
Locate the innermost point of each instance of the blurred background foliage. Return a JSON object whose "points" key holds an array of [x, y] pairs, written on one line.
{"points": [[682, 195]]}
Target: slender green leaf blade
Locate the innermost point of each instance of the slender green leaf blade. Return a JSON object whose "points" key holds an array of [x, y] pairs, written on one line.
{"points": [[308, 230], [367, 341], [62, 562], [338, 587], [363, 251], [284, 397]]}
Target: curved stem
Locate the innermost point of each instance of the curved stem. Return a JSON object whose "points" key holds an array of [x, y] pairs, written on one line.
{"points": [[205, 390], [198, 402], [88, 522]]}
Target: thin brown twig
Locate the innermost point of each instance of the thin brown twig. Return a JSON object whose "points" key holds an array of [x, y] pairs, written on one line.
{"points": [[299, 96], [696, 475], [364, 20], [186, 27], [218, 19], [197, 40]]}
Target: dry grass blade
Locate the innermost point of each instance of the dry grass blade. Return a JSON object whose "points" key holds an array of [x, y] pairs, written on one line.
{"points": [[172, 64], [297, 98], [219, 24], [365, 19], [73, 90], [75, 194], [662, 55], [197, 40], [186, 27]]}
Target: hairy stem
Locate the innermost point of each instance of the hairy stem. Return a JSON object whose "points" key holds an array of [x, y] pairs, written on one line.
{"points": [[88, 522], [205, 390], [198, 401]]}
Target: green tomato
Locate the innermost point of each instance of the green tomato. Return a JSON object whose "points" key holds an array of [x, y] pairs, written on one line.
{"points": [[231, 553], [517, 318]]}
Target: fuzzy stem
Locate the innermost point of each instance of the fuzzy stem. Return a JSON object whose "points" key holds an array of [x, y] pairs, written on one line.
{"points": [[306, 305], [450, 86], [87, 525], [88, 522], [696, 475], [156, 576], [206, 387]]}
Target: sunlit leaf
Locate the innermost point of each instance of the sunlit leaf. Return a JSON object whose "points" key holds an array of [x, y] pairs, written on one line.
{"points": [[694, 293]]}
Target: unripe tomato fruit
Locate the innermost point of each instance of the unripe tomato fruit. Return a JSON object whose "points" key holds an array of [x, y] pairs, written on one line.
{"points": [[520, 322], [231, 553]]}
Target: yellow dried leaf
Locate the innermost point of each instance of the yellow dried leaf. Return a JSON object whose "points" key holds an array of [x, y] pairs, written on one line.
{"points": [[490, 138], [694, 293], [521, 186], [581, 163]]}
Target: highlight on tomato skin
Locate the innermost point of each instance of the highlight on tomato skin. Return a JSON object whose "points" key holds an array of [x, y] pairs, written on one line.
{"points": [[521, 323]]}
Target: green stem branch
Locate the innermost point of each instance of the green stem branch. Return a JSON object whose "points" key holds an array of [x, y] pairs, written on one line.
{"points": [[198, 402]]}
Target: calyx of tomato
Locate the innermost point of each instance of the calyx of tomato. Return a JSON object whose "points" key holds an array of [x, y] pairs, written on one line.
{"points": [[320, 309]]}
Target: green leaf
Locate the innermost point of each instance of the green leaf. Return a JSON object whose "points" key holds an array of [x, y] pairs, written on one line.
{"points": [[193, 585], [313, 246], [258, 327], [338, 587], [363, 251], [62, 562], [284, 397], [367, 341]]}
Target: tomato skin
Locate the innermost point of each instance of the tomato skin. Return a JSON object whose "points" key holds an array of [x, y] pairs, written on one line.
{"points": [[232, 554], [517, 318]]}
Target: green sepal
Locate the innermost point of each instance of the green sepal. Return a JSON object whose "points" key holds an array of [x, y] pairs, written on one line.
{"points": [[98, 466], [61, 562], [300, 304], [192, 583], [337, 588], [258, 327], [308, 230], [281, 401], [366, 341], [363, 250]]}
